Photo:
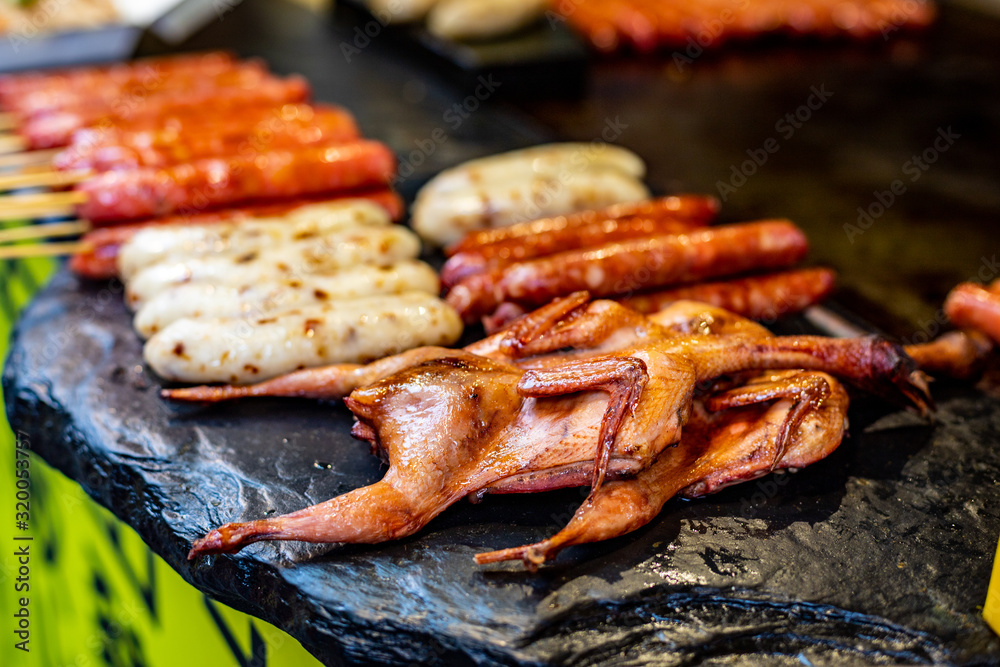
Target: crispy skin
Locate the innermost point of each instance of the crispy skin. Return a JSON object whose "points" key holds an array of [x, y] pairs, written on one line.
{"points": [[717, 449], [958, 354], [724, 442], [575, 393], [633, 265], [760, 297], [974, 307], [697, 209], [237, 179], [461, 265]]}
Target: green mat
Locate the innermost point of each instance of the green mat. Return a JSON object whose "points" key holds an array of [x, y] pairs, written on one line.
{"points": [[89, 591]]}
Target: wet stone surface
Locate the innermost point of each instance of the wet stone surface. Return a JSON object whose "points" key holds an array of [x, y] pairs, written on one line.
{"points": [[880, 553]]}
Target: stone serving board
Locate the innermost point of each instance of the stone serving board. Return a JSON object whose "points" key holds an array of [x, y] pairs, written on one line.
{"points": [[881, 553]]}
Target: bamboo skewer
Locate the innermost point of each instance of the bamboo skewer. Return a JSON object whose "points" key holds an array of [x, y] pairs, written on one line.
{"points": [[22, 207], [50, 230], [41, 250], [12, 143], [42, 179], [28, 158]]}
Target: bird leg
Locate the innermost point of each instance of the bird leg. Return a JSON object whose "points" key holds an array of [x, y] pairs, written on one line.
{"points": [[622, 378], [807, 391], [716, 449]]}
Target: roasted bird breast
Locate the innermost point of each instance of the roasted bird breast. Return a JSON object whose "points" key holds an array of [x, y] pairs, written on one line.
{"points": [[581, 393]]}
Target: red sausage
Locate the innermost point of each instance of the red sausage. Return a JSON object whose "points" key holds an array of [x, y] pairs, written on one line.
{"points": [[220, 182], [973, 307], [695, 208], [461, 265], [167, 147], [56, 129], [49, 100], [120, 74], [764, 297], [624, 268]]}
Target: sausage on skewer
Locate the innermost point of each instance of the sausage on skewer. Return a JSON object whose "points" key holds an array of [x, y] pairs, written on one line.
{"points": [[263, 297], [165, 243], [119, 74], [56, 129], [217, 182], [221, 349], [762, 297], [245, 74], [378, 246], [255, 130], [99, 258]]}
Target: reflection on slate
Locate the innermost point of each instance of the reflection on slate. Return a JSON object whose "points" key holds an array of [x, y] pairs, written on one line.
{"points": [[880, 552], [545, 59]]}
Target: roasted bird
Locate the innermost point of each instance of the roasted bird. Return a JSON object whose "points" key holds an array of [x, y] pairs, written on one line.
{"points": [[574, 394]]}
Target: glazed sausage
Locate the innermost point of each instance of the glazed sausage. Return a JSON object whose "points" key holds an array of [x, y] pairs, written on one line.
{"points": [[647, 25], [461, 265], [218, 182], [56, 129], [244, 74], [697, 209], [239, 350], [764, 297], [119, 74], [253, 131], [623, 268], [971, 306], [264, 297]]}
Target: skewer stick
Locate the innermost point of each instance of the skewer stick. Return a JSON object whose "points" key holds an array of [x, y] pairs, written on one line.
{"points": [[8, 121], [41, 250], [42, 179], [12, 143], [22, 207], [28, 158], [50, 230]]}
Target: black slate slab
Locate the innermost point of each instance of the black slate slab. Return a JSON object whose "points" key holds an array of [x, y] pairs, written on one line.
{"points": [[880, 553]]}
